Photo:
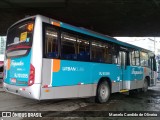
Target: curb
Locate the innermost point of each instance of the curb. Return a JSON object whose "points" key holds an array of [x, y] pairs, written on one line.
{"points": [[1, 90]]}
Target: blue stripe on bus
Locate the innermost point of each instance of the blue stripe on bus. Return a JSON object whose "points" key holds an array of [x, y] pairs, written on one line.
{"points": [[100, 36]]}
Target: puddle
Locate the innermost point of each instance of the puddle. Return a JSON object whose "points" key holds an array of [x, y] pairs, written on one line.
{"points": [[155, 101], [155, 96]]}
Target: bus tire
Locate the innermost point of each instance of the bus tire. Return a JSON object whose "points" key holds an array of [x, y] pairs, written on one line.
{"points": [[103, 92], [145, 85]]}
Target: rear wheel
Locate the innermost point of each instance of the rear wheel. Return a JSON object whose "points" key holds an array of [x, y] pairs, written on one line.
{"points": [[145, 86], [103, 92]]}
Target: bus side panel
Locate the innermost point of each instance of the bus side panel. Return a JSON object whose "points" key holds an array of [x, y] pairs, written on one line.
{"points": [[133, 77], [76, 79], [46, 72], [71, 73], [48, 78], [86, 75], [147, 72], [111, 71], [51, 92]]}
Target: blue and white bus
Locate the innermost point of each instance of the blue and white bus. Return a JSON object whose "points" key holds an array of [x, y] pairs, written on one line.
{"points": [[49, 59]]}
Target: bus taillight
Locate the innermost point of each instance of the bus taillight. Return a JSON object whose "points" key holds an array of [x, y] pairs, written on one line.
{"points": [[31, 76]]}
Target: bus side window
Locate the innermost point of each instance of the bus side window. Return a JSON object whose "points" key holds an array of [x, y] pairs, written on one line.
{"points": [[108, 53], [115, 54], [97, 52], [83, 52], [137, 58], [144, 58], [101, 52], [51, 42], [68, 46], [132, 58]]}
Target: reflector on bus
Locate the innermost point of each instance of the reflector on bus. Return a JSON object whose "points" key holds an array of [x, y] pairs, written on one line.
{"points": [[56, 23]]}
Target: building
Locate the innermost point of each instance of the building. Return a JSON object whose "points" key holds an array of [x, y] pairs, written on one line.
{"points": [[2, 47]]}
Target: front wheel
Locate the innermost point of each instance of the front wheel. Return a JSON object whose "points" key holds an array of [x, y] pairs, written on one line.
{"points": [[103, 92], [145, 86]]}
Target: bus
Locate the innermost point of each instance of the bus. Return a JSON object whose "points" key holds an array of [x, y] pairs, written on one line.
{"points": [[49, 59]]}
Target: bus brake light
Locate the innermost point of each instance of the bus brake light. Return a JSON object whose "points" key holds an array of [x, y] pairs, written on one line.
{"points": [[31, 76]]}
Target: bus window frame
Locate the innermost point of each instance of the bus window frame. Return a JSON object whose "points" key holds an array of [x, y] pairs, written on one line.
{"points": [[85, 37], [127, 50], [131, 62], [44, 26], [69, 34], [137, 57], [90, 39], [147, 60]]}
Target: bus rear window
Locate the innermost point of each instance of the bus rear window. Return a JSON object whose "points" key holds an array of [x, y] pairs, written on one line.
{"points": [[19, 39]]}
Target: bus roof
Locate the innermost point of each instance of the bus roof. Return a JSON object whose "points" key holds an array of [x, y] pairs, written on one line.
{"points": [[97, 35], [100, 36], [87, 32]]}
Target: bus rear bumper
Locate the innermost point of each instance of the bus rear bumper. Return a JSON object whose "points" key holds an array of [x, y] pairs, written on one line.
{"points": [[32, 92]]}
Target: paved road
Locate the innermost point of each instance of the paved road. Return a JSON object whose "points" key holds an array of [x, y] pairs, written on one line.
{"points": [[10, 102], [149, 101]]}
